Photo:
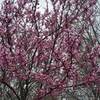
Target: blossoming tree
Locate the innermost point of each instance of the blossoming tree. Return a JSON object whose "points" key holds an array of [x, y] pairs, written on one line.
{"points": [[43, 54]]}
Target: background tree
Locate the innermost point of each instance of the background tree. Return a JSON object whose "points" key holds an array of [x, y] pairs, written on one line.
{"points": [[44, 55]]}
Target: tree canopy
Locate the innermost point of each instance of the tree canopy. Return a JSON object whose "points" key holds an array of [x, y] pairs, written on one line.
{"points": [[44, 55]]}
